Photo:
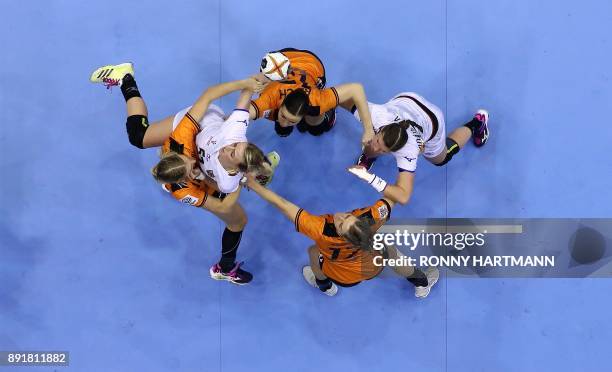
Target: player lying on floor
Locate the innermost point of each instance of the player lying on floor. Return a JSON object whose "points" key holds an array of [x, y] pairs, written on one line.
{"points": [[203, 156], [406, 126], [298, 97], [343, 253]]}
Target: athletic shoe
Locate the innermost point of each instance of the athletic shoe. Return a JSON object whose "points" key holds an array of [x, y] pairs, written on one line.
{"points": [[111, 75], [235, 275], [433, 274], [481, 134], [365, 161], [312, 280]]}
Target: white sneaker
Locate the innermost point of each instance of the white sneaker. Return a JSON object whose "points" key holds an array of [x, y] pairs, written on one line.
{"points": [[312, 280], [433, 274]]}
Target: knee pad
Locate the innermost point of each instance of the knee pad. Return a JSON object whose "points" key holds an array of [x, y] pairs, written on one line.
{"points": [[326, 125], [302, 126], [317, 130], [137, 126], [451, 149]]}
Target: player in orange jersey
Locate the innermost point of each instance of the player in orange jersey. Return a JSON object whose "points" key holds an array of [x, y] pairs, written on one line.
{"points": [[343, 253], [299, 97], [204, 155]]}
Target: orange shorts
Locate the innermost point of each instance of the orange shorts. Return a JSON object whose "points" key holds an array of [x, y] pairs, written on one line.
{"points": [[350, 273], [192, 192]]}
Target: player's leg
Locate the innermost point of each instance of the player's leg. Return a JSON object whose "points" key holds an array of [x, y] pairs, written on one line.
{"points": [[423, 281], [477, 129], [140, 133], [315, 264], [235, 220], [314, 275]]}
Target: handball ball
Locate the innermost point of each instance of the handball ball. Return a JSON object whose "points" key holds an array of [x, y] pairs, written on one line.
{"points": [[275, 66]]}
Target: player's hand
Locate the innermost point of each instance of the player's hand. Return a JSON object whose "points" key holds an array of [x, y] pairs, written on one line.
{"points": [[250, 181], [368, 135], [362, 173], [261, 78], [373, 180], [262, 82], [253, 85]]}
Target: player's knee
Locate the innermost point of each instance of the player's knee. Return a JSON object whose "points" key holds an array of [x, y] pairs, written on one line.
{"points": [[241, 220], [325, 125], [452, 148], [282, 131], [136, 127]]}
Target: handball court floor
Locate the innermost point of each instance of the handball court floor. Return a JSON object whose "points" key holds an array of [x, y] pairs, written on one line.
{"points": [[95, 259]]}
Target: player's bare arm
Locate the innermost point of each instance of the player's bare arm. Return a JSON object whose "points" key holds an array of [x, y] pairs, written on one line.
{"points": [[289, 209], [199, 108], [402, 190], [353, 94]]}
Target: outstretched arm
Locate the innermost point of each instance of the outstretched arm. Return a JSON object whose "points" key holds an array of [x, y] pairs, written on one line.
{"points": [[198, 110], [353, 94], [244, 101], [289, 209], [398, 193], [402, 190]]}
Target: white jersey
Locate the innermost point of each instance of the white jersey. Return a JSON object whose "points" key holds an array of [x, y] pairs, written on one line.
{"points": [[217, 132], [410, 106]]}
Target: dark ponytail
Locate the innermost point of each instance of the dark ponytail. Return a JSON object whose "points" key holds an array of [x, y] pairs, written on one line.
{"points": [[296, 102]]}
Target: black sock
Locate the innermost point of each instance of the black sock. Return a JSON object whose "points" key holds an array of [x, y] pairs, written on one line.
{"points": [[229, 247], [418, 278], [129, 87], [324, 284], [472, 125]]}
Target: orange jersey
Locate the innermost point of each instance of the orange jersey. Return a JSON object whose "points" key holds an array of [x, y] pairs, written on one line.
{"points": [[307, 73], [182, 141], [342, 261]]}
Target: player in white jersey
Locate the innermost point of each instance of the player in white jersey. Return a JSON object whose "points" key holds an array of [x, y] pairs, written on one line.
{"points": [[217, 134], [407, 126], [204, 155]]}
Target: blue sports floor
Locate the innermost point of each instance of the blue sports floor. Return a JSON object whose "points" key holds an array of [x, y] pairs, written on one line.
{"points": [[95, 259]]}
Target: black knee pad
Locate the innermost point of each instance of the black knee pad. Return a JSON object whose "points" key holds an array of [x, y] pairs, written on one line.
{"points": [[282, 131], [326, 125], [451, 149], [317, 130], [302, 126], [137, 126]]}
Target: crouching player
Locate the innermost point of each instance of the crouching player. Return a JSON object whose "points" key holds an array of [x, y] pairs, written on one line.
{"points": [[297, 95], [342, 254], [406, 126]]}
